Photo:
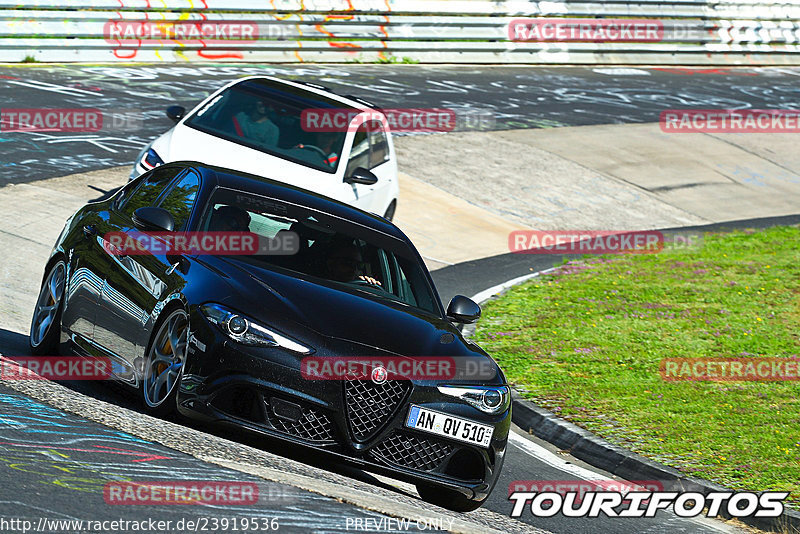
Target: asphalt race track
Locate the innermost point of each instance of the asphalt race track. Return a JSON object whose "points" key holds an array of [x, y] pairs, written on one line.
{"points": [[61, 463], [517, 98], [73, 456]]}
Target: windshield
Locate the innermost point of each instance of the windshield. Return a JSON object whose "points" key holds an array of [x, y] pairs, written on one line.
{"points": [[266, 115], [332, 252]]}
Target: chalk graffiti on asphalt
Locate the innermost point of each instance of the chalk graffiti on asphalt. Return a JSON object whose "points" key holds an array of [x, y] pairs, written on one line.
{"points": [[517, 98]]}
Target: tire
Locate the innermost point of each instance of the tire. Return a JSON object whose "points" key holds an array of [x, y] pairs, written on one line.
{"points": [[45, 332], [452, 500], [163, 363], [389, 215]]}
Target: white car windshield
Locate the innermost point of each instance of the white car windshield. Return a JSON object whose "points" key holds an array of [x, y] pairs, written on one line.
{"points": [[267, 116]]}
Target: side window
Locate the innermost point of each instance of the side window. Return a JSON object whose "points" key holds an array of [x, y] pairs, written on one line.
{"points": [[127, 191], [180, 198], [388, 274], [405, 289], [379, 146], [359, 155], [148, 190]]}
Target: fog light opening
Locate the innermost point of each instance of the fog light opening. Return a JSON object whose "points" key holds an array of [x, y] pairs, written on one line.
{"points": [[241, 402], [466, 464]]}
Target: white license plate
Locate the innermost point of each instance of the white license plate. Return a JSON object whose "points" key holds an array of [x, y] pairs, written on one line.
{"points": [[449, 426]]}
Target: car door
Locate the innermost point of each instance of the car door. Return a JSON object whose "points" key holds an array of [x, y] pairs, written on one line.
{"points": [[86, 277], [89, 265], [382, 164], [135, 283], [360, 195]]}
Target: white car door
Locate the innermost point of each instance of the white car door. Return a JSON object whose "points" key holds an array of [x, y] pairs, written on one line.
{"points": [[383, 164], [370, 150], [359, 195]]}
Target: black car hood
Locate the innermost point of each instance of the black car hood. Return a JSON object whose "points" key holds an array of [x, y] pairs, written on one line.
{"points": [[340, 315]]}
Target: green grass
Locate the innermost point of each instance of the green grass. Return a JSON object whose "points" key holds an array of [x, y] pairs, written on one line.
{"points": [[392, 60], [389, 60], [586, 342]]}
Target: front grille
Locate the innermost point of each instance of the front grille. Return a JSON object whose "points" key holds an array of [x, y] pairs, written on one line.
{"points": [[312, 426], [370, 405], [414, 452]]}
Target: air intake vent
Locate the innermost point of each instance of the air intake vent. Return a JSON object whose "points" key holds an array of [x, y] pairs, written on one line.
{"points": [[371, 405], [413, 452]]}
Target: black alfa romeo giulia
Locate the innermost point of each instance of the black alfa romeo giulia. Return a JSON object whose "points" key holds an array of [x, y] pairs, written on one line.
{"points": [[306, 345]]}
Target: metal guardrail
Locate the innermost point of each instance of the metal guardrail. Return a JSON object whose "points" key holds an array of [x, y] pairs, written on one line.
{"points": [[430, 31]]}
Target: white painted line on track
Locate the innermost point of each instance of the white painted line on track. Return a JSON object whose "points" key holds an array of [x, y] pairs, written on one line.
{"points": [[487, 293], [437, 260], [55, 88], [543, 455]]}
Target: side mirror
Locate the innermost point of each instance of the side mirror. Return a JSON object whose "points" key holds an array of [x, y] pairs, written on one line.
{"points": [[176, 113], [361, 176], [154, 219], [463, 310]]}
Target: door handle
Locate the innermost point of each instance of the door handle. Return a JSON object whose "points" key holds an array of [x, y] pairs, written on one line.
{"points": [[89, 230], [178, 262]]}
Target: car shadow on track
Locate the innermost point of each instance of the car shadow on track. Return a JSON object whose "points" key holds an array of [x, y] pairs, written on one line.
{"points": [[16, 344], [13, 343]]}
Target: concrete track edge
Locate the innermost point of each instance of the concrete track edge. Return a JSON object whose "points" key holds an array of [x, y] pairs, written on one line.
{"points": [[232, 455]]}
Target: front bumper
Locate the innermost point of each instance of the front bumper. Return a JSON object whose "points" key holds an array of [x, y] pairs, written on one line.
{"points": [[138, 169], [263, 392]]}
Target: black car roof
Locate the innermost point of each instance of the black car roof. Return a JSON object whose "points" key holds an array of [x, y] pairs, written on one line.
{"points": [[271, 188]]}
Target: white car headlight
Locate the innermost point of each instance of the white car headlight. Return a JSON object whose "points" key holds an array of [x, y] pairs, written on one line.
{"points": [[151, 159], [489, 399], [248, 332]]}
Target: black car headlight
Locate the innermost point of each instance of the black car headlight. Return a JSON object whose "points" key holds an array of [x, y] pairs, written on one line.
{"points": [[489, 399], [151, 159], [248, 332]]}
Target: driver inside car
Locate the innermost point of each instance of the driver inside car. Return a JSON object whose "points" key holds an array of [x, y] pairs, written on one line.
{"points": [[326, 147], [344, 264], [229, 219], [254, 124]]}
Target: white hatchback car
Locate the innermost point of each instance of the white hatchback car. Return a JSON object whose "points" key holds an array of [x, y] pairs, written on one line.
{"points": [[272, 128]]}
